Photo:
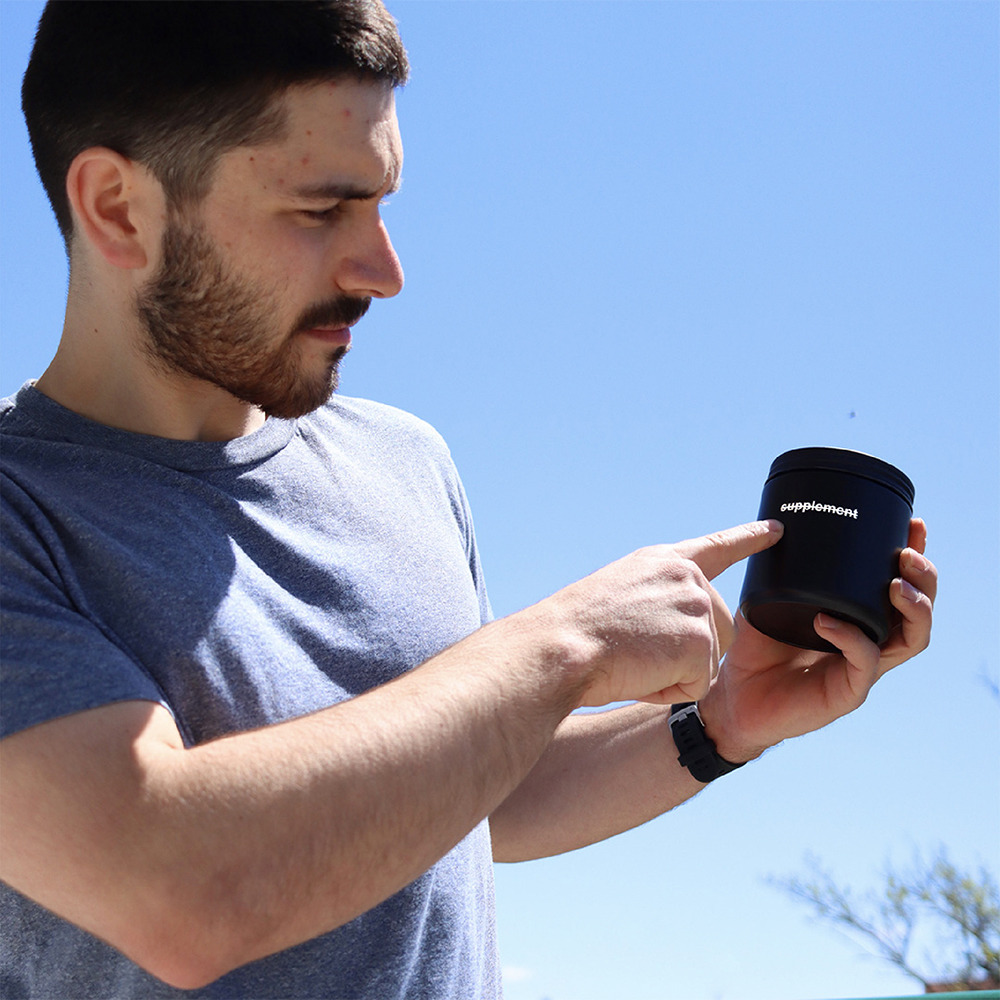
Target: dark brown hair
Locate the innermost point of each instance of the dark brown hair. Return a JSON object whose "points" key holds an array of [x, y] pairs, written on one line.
{"points": [[174, 84]]}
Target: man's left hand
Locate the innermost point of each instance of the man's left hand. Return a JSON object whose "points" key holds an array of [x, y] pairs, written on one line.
{"points": [[767, 691]]}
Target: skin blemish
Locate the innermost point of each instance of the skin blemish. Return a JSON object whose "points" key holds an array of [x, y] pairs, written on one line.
{"points": [[347, 112], [305, 160]]}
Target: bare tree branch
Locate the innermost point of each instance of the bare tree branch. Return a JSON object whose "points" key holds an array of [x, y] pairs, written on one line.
{"points": [[961, 910]]}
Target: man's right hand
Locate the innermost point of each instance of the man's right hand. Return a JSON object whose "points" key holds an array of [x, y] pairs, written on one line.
{"points": [[650, 626]]}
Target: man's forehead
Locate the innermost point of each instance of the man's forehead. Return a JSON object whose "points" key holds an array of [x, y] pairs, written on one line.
{"points": [[342, 107], [342, 119], [338, 140]]}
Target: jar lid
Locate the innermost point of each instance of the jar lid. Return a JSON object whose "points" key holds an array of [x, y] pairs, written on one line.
{"points": [[844, 460]]}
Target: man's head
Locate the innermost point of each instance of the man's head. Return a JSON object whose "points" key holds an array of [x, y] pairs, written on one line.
{"points": [[221, 165], [172, 85]]}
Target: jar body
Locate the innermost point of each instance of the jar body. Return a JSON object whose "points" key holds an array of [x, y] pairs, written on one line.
{"points": [[840, 550]]}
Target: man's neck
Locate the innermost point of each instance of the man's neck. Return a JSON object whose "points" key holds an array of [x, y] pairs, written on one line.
{"points": [[100, 373]]}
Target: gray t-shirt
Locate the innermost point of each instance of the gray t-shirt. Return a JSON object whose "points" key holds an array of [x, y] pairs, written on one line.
{"points": [[240, 584]]}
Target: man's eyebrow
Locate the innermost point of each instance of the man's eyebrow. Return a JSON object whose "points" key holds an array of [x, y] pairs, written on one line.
{"points": [[342, 191]]}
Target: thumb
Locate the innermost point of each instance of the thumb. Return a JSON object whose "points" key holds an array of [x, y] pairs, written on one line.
{"points": [[718, 551]]}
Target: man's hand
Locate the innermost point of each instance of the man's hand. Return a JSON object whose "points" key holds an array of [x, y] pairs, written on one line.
{"points": [[767, 692], [610, 771], [650, 626]]}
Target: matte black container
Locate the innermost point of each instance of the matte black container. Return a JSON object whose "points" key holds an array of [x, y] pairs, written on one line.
{"points": [[846, 518]]}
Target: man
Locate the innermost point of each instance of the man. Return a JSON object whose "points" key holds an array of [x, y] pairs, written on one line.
{"points": [[261, 738]]}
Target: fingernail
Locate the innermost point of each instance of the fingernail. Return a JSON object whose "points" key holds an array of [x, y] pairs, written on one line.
{"points": [[909, 591], [918, 561], [828, 621]]}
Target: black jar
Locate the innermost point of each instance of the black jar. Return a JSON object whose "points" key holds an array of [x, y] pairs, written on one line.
{"points": [[847, 518]]}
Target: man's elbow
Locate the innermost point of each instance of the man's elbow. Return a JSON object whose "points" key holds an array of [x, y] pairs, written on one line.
{"points": [[190, 940], [185, 957]]}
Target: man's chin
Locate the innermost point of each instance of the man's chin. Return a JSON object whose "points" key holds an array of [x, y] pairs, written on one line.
{"points": [[303, 397]]}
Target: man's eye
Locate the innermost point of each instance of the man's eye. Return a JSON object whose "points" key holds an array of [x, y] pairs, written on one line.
{"points": [[321, 214]]}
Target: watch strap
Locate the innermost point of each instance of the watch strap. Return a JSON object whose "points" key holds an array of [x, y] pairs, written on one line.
{"points": [[697, 750]]}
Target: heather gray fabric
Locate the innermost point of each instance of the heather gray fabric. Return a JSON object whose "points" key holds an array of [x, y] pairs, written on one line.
{"points": [[240, 584]]}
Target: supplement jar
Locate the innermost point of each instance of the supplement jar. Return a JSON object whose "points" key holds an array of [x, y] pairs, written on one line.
{"points": [[846, 518]]}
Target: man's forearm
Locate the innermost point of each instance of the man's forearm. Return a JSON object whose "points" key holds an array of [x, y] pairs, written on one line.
{"points": [[194, 861], [602, 774]]}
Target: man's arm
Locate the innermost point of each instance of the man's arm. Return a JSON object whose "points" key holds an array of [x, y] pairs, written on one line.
{"points": [[603, 773], [195, 861], [606, 773]]}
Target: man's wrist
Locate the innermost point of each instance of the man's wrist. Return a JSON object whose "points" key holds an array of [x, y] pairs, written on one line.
{"points": [[722, 732], [697, 751]]}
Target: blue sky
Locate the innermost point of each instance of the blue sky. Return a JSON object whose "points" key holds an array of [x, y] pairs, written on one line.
{"points": [[649, 246]]}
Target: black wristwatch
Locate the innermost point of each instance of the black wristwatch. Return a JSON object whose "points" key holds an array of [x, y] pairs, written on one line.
{"points": [[697, 751]]}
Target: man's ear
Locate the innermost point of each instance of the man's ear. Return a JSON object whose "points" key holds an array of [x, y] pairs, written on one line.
{"points": [[118, 206]]}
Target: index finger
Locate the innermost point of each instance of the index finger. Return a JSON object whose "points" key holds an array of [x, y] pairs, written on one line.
{"points": [[718, 551]]}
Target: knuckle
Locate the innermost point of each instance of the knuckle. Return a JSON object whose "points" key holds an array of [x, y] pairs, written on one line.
{"points": [[693, 637], [656, 552], [924, 641], [680, 572], [692, 593], [698, 605], [718, 539], [702, 686]]}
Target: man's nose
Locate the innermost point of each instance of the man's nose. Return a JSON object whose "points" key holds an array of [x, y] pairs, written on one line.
{"points": [[371, 267]]}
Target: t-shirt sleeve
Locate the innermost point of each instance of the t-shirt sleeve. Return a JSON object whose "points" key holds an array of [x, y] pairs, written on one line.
{"points": [[55, 659], [462, 512], [472, 551]]}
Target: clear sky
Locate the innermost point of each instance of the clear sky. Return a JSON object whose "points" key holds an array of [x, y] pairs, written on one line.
{"points": [[649, 246]]}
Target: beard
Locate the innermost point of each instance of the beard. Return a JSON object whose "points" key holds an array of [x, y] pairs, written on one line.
{"points": [[208, 323]]}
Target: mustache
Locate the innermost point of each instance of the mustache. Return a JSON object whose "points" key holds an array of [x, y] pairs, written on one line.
{"points": [[345, 310]]}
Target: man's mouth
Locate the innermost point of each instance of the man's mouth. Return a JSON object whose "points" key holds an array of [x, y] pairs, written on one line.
{"points": [[330, 322], [338, 336]]}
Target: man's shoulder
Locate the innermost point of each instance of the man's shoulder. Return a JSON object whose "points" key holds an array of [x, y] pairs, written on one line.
{"points": [[23, 441], [377, 420], [11, 412], [373, 411]]}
